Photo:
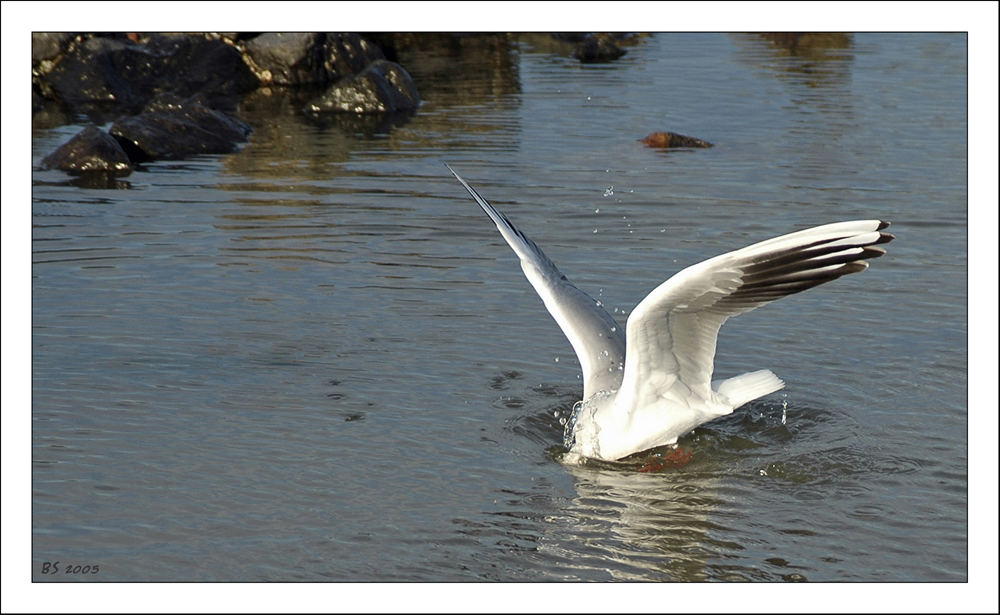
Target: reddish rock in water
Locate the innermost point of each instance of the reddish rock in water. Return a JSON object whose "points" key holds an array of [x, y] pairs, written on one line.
{"points": [[673, 458], [672, 139]]}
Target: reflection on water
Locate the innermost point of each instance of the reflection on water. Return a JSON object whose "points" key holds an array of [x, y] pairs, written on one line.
{"points": [[659, 522]]}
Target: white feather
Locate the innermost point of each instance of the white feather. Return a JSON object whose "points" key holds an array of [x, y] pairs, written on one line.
{"points": [[665, 389]]}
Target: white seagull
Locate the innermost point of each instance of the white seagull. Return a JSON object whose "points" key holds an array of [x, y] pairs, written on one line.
{"points": [[662, 387]]}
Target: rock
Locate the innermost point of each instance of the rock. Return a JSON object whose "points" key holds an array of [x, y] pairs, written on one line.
{"points": [[127, 74], [597, 48], [672, 139], [46, 47], [90, 151], [308, 58], [208, 67], [101, 70], [383, 87], [171, 128]]}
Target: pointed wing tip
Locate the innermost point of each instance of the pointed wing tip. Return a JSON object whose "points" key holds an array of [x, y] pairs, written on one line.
{"points": [[853, 267]]}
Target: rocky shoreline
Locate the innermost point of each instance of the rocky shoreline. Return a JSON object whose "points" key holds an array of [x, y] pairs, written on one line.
{"points": [[172, 96]]}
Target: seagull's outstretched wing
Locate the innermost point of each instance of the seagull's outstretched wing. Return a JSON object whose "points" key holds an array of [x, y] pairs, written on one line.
{"points": [[596, 338], [672, 333]]}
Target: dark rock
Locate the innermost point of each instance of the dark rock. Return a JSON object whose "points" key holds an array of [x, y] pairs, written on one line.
{"points": [[172, 128], [598, 48], [90, 151], [210, 68], [128, 74], [309, 58], [383, 87], [570, 37], [46, 47], [672, 139], [102, 70], [37, 100]]}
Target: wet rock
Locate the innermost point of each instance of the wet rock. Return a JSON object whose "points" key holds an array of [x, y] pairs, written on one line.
{"points": [[127, 74], [208, 67], [672, 139], [303, 58], [46, 47], [170, 128], [597, 48], [101, 70], [37, 100], [90, 151], [383, 87]]}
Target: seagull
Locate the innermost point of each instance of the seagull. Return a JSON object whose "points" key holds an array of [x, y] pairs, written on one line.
{"points": [[650, 384]]}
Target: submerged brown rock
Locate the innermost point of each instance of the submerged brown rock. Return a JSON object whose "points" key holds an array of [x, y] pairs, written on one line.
{"points": [[672, 139]]}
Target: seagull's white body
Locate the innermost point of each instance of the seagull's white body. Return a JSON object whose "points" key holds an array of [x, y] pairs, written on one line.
{"points": [[662, 387]]}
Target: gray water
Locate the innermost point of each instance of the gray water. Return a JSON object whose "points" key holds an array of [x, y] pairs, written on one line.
{"points": [[316, 360]]}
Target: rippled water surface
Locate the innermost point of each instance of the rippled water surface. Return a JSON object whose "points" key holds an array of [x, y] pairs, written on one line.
{"points": [[315, 359]]}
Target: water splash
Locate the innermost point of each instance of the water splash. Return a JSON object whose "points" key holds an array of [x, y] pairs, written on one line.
{"points": [[570, 423]]}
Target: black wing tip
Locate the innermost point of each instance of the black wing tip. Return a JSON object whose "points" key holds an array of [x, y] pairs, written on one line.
{"points": [[885, 238], [853, 267], [883, 224], [872, 252]]}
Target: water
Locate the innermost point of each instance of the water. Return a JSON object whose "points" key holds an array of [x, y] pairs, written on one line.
{"points": [[316, 360]]}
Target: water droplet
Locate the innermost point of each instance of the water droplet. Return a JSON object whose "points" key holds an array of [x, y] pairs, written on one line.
{"points": [[557, 359], [610, 191], [597, 211]]}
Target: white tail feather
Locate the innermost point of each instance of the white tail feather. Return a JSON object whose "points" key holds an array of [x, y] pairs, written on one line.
{"points": [[747, 387]]}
